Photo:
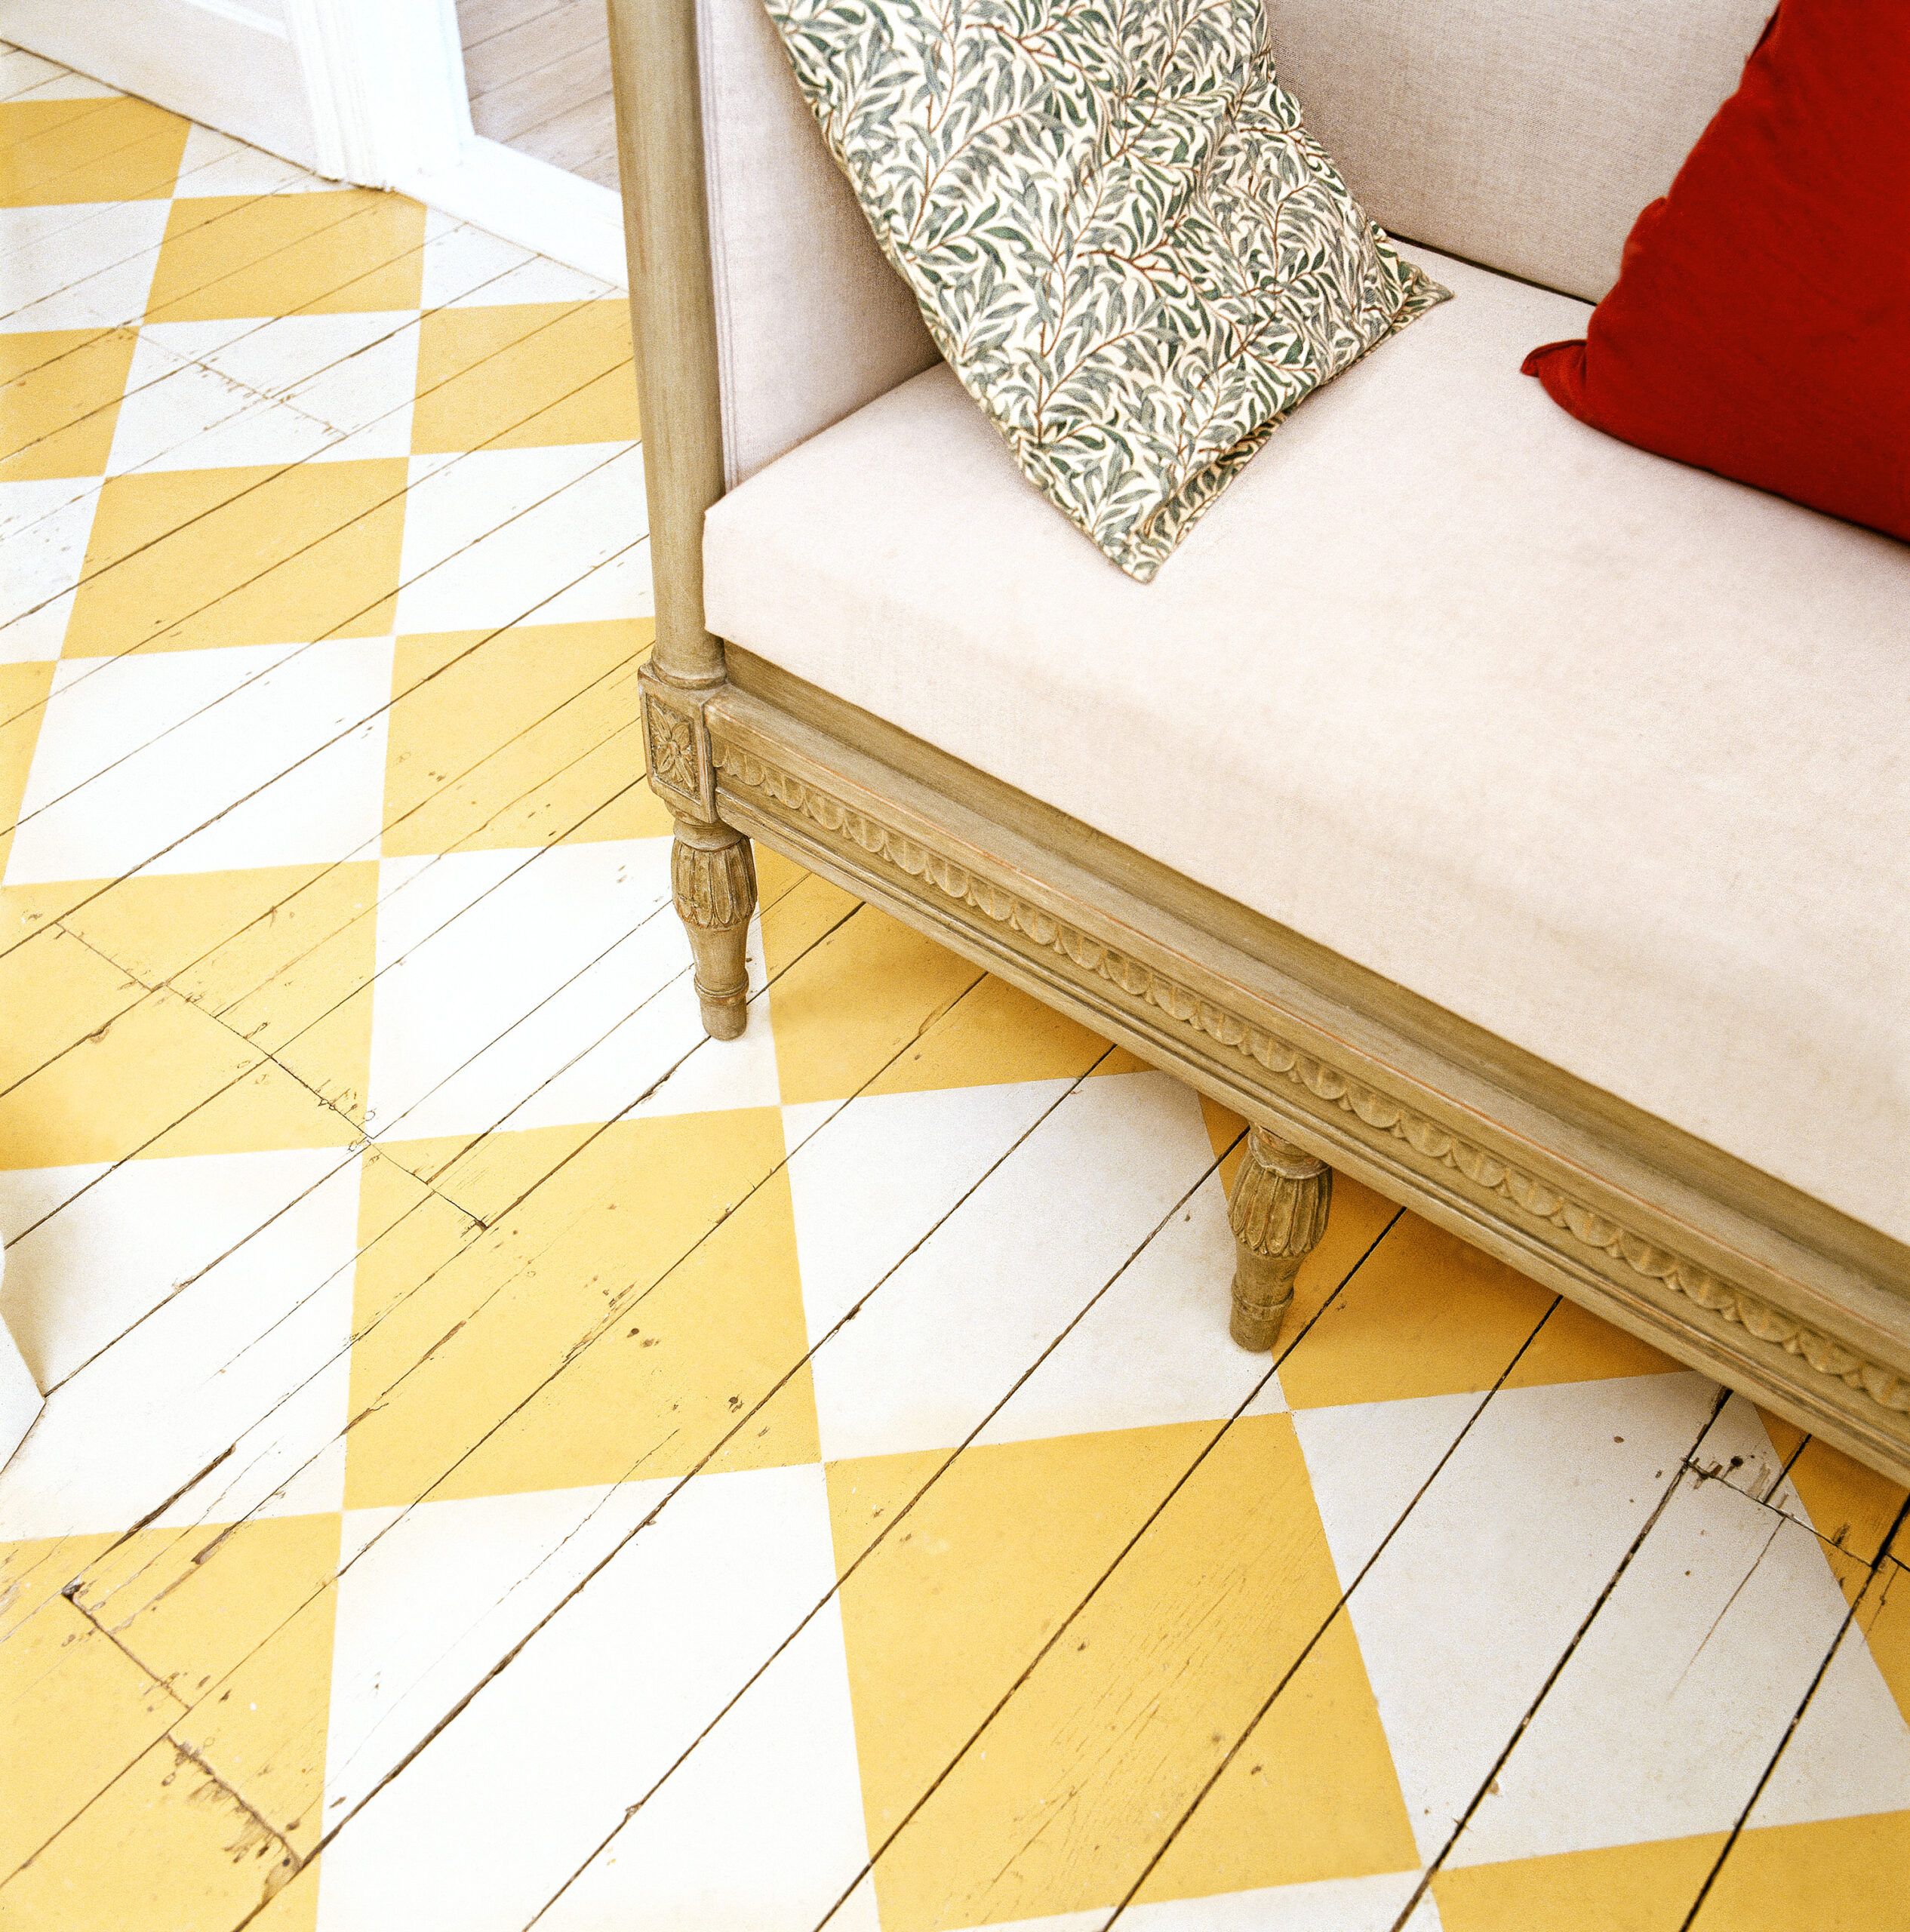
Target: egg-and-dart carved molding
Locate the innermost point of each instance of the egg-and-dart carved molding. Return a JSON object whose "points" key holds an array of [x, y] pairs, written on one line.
{"points": [[1379, 1113]]}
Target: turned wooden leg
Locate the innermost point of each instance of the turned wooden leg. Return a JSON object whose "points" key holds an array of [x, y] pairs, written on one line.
{"points": [[1277, 1211], [713, 877]]}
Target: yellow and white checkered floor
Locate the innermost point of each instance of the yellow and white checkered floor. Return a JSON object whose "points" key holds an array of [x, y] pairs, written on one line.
{"points": [[510, 1460]]}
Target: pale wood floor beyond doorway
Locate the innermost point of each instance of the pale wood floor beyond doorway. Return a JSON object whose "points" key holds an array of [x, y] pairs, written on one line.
{"points": [[539, 76]]}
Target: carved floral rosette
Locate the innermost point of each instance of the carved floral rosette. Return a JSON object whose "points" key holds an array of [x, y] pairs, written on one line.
{"points": [[676, 748]]}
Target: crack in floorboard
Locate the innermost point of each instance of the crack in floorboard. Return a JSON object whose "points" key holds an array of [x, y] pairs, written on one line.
{"points": [[1741, 1822]]}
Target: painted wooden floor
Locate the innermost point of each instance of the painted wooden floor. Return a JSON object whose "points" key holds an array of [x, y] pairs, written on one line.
{"points": [[539, 73], [509, 1461]]}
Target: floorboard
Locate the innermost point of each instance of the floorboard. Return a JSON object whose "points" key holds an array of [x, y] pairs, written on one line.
{"points": [[498, 1439], [538, 76]]}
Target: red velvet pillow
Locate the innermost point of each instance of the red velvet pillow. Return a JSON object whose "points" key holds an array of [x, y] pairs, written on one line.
{"points": [[1760, 323]]}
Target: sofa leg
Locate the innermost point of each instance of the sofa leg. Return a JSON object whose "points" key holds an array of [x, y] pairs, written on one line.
{"points": [[1277, 1211], [713, 879]]}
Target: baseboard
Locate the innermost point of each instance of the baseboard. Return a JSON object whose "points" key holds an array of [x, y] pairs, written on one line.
{"points": [[531, 203]]}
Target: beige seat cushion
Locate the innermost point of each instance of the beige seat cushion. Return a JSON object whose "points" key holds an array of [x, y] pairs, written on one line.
{"points": [[1607, 756]]}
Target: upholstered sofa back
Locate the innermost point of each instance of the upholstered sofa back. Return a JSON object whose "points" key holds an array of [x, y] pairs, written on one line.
{"points": [[811, 322], [1523, 134]]}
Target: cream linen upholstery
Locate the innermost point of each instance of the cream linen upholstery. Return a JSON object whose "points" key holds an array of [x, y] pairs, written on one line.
{"points": [[1525, 135], [1606, 755], [811, 322]]}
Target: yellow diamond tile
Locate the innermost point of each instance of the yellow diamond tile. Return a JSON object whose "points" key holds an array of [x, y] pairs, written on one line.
{"points": [[1617, 1888], [1884, 1617], [184, 559], [59, 395], [1575, 1345], [294, 1907], [780, 1430], [519, 738], [23, 689], [776, 876], [806, 909], [512, 375], [15, 128], [352, 251], [458, 1333], [276, 953], [395, 1210], [97, 1069], [1425, 1316], [170, 1083], [999, 1033], [949, 1610], [166, 1844], [75, 1709], [1224, 1129], [859, 1005], [1119, 1727], [1845, 1874], [1851, 1506], [701, 1357], [1785, 1436], [56, 990], [1311, 1794], [856, 998], [237, 1620], [120, 150]]}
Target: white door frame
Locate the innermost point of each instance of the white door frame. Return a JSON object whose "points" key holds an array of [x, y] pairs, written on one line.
{"points": [[371, 92], [385, 79]]}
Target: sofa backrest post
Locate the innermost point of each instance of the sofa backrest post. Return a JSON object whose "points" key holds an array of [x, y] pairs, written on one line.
{"points": [[672, 315]]}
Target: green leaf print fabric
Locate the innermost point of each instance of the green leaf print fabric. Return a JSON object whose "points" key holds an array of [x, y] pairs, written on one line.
{"points": [[1123, 240]]}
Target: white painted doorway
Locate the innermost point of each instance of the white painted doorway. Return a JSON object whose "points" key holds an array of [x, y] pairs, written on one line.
{"points": [[370, 91]]}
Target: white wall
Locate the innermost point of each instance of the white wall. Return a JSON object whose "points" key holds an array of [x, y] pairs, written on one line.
{"points": [[366, 90], [233, 64]]}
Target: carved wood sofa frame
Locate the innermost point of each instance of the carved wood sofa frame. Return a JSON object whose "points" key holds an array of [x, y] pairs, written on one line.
{"points": [[1773, 1293]]}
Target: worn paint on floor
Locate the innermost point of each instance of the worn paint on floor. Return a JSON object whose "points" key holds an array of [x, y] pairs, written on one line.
{"points": [[510, 1460]]}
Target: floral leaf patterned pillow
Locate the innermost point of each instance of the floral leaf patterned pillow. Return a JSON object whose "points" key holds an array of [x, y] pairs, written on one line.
{"points": [[1123, 240]]}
